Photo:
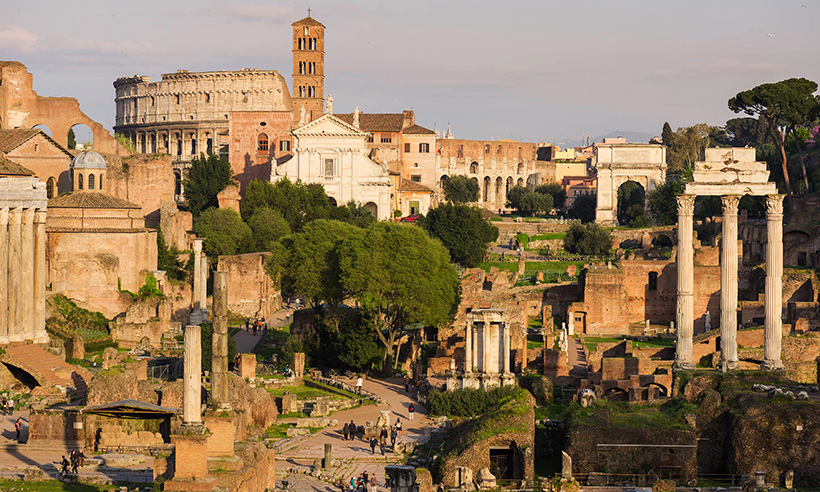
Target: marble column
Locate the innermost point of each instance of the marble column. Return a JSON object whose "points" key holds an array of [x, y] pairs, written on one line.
{"points": [[196, 302], [27, 253], [192, 377], [203, 286], [219, 359], [686, 281], [15, 281], [487, 364], [506, 346], [773, 328], [468, 348], [40, 267], [4, 275], [728, 283]]}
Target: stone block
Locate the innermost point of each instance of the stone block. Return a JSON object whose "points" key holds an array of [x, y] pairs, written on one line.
{"points": [[190, 456], [247, 366], [222, 435]]}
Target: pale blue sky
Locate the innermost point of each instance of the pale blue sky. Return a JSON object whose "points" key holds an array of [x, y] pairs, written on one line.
{"points": [[533, 71]]}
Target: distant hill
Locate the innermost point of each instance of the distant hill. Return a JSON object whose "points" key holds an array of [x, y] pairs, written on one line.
{"points": [[632, 137]]}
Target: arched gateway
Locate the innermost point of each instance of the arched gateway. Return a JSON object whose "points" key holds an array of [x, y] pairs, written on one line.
{"points": [[645, 164]]}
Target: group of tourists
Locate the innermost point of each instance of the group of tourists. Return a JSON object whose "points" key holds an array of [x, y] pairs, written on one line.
{"points": [[258, 324], [363, 483], [70, 467], [7, 405], [350, 431]]}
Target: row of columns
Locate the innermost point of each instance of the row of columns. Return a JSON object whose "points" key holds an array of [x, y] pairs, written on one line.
{"points": [[153, 141], [491, 341], [773, 331], [23, 275]]}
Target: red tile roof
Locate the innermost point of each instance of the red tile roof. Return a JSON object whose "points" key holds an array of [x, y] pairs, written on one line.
{"points": [[89, 199], [409, 185], [11, 168], [13, 138], [418, 130], [308, 21], [376, 122]]}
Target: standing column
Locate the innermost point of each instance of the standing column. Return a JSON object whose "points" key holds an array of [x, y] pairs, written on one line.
{"points": [[728, 283], [203, 287], [27, 253], [191, 394], [773, 329], [16, 333], [4, 275], [468, 348], [686, 283], [219, 359], [506, 347], [40, 335], [195, 300], [487, 365]]}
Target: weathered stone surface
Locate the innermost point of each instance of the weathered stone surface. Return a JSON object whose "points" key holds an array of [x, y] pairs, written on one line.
{"points": [[113, 385]]}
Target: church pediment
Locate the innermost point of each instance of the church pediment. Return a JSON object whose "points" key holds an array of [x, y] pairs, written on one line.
{"points": [[328, 125]]}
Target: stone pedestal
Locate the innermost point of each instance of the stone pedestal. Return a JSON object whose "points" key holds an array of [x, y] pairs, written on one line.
{"points": [[298, 364], [686, 282], [192, 378], [247, 366], [221, 435], [328, 458], [728, 283], [190, 463], [773, 328]]}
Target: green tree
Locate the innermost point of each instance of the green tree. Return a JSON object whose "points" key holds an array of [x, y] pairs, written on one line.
{"points": [[268, 226], [461, 189], [687, 147], [206, 177], [745, 132], [72, 139], [583, 208], [299, 203], [667, 135], [528, 202], [462, 230], [631, 205], [556, 191], [661, 202], [125, 142], [224, 232], [588, 239], [359, 347], [782, 106], [399, 276], [168, 258], [353, 213]]}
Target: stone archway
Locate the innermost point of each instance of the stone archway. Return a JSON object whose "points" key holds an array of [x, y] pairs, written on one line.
{"points": [[485, 195], [631, 202], [499, 195], [372, 208], [616, 164]]}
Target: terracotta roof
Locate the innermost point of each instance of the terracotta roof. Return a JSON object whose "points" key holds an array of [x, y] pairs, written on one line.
{"points": [[418, 130], [308, 21], [10, 168], [375, 122], [408, 185], [89, 199], [13, 138]]}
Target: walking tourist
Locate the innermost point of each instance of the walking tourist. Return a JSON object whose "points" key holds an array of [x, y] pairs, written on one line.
{"points": [[398, 426], [346, 430], [352, 430], [393, 435], [64, 467], [359, 384], [17, 426], [373, 443], [411, 411]]}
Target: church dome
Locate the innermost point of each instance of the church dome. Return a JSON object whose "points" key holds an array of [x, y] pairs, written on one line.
{"points": [[88, 160]]}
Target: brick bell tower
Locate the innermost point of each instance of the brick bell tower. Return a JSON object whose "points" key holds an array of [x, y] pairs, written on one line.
{"points": [[308, 68]]}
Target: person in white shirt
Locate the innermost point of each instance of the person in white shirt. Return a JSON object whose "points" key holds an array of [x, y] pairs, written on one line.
{"points": [[359, 384]]}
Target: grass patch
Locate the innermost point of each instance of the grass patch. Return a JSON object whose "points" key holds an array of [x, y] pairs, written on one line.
{"points": [[278, 431], [53, 486], [551, 411], [532, 345], [301, 392], [548, 236]]}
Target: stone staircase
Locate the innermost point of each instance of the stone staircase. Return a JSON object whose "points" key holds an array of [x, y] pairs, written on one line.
{"points": [[48, 369]]}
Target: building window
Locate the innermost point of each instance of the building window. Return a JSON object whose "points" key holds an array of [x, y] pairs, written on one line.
{"points": [[207, 98], [284, 145], [177, 98], [387, 139], [307, 31], [312, 91], [474, 167], [653, 280], [312, 68], [301, 68], [460, 151], [415, 164], [90, 181], [51, 188], [407, 147], [415, 178], [487, 148], [301, 43], [312, 43], [101, 180], [370, 138], [80, 182], [424, 148], [301, 91], [329, 167], [262, 143]]}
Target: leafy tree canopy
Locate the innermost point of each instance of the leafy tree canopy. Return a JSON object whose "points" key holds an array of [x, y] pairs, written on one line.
{"points": [[461, 189], [224, 231], [168, 258], [462, 230], [556, 191], [583, 208], [661, 202], [353, 213], [299, 203], [400, 276], [528, 202], [268, 226], [631, 205], [206, 177], [588, 239], [667, 135]]}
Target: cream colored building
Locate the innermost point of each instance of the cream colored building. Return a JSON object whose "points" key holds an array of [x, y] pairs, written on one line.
{"points": [[332, 153]]}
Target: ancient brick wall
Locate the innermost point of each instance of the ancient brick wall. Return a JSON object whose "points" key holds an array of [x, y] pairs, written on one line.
{"points": [[251, 291], [144, 179], [248, 159], [46, 160]]}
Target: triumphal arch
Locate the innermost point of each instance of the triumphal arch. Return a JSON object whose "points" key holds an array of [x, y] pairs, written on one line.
{"points": [[617, 163], [730, 173]]}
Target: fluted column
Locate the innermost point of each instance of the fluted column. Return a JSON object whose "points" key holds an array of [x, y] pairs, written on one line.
{"points": [[27, 253], [506, 346], [468, 348], [15, 268], [219, 359], [773, 328], [196, 302], [191, 393], [40, 335], [4, 275], [487, 367], [728, 283], [686, 281]]}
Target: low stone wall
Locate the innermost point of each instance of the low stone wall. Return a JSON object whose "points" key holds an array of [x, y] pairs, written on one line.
{"points": [[51, 425]]}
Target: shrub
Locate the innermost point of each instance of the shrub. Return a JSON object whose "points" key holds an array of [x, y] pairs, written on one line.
{"points": [[467, 402]]}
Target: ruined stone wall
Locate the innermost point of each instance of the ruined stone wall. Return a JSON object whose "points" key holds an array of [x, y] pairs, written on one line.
{"points": [[89, 266], [146, 180], [54, 426], [175, 225], [144, 320], [251, 291]]}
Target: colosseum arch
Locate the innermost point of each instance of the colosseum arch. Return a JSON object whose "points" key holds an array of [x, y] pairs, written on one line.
{"points": [[616, 164]]}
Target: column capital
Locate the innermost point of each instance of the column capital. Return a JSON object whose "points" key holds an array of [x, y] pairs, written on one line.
{"points": [[730, 203], [774, 205], [686, 204], [15, 216]]}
